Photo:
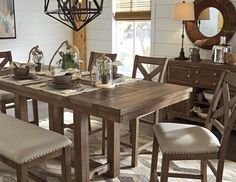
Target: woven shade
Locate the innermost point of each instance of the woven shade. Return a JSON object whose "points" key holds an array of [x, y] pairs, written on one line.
{"points": [[133, 10]]}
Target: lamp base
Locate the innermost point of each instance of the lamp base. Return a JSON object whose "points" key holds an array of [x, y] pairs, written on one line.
{"points": [[181, 56]]}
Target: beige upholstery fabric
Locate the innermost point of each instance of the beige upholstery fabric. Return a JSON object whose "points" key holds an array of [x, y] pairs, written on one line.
{"points": [[22, 142], [6, 95], [185, 139]]}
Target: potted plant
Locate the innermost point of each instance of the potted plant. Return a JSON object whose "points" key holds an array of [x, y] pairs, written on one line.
{"points": [[104, 70]]}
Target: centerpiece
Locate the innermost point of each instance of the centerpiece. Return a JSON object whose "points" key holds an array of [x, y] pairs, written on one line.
{"points": [[36, 57]]}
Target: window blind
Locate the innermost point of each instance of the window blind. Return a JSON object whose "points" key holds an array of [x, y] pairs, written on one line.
{"points": [[133, 10]]}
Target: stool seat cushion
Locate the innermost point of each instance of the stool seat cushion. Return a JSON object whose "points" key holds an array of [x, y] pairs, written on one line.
{"points": [[4, 95], [175, 138], [22, 142]]}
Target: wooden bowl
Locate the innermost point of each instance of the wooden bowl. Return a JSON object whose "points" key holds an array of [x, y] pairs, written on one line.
{"points": [[21, 71], [62, 79]]}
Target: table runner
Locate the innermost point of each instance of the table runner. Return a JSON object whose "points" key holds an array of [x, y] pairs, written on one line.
{"points": [[41, 83]]}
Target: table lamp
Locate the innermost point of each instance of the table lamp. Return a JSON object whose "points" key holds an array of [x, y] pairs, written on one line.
{"points": [[185, 12]]}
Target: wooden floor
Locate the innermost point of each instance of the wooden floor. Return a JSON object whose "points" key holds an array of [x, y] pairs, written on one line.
{"points": [[43, 112]]}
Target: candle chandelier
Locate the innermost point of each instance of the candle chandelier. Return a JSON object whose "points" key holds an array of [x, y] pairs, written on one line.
{"points": [[73, 13]]}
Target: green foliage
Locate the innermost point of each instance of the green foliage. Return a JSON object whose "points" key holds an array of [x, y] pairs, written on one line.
{"points": [[67, 60]]}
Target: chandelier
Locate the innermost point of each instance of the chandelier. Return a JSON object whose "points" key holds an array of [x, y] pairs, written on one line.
{"points": [[73, 13]]}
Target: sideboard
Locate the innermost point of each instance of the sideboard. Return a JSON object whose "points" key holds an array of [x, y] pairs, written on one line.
{"points": [[201, 76]]}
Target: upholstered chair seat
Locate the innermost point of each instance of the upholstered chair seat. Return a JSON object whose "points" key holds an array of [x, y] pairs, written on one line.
{"points": [[4, 95], [24, 145], [175, 138]]}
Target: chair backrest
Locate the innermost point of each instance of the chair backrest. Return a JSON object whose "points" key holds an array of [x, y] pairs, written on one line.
{"points": [[160, 63], [222, 112], [95, 55], [6, 55]]}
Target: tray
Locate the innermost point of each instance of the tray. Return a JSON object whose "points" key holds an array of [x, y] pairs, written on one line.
{"points": [[72, 85]]}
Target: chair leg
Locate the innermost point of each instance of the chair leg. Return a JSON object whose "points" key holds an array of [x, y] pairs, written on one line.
{"points": [[66, 165], [204, 170], [220, 169], [155, 150], [164, 169], [35, 111], [22, 173], [3, 107], [134, 123], [90, 124], [104, 127]]}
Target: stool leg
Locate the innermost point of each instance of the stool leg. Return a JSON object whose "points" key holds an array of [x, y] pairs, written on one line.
{"points": [[66, 165], [22, 173], [104, 127], [3, 107], [35, 111]]}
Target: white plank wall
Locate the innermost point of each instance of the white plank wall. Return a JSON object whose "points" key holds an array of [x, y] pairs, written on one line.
{"points": [[166, 32], [33, 27], [99, 31]]}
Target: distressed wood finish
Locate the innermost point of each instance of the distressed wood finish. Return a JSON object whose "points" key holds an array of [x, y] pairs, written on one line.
{"points": [[116, 105], [222, 106], [7, 59], [158, 70], [201, 76]]}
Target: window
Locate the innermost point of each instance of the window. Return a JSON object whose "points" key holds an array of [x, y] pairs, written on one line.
{"points": [[133, 31]]}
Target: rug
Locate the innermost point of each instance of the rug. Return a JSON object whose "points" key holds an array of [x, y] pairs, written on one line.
{"points": [[50, 171]]}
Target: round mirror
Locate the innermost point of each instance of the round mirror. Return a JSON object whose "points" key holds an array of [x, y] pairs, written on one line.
{"points": [[210, 22], [206, 33]]}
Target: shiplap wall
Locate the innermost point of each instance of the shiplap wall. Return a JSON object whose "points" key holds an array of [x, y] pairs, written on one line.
{"points": [[33, 27], [99, 32], [166, 32]]}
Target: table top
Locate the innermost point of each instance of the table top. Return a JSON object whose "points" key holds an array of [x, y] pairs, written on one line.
{"points": [[125, 101]]}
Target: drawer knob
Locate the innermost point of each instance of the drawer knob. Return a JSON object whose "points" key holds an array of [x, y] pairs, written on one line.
{"points": [[214, 74], [214, 84], [196, 81], [188, 75], [196, 71]]}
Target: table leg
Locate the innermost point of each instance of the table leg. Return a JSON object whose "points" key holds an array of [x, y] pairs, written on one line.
{"points": [[21, 109], [113, 151], [81, 146], [56, 118], [134, 123]]}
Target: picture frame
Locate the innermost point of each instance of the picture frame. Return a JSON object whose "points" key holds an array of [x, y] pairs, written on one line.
{"points": [[7, 19]]}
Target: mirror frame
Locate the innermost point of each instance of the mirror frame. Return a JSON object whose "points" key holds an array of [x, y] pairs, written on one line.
{"points": [[229, 27]]}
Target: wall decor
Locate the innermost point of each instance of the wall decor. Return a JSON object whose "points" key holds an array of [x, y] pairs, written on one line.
{"points": [[7, 19]]}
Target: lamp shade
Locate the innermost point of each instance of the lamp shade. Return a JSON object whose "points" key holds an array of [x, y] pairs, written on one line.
{"points": [[184, 11]]}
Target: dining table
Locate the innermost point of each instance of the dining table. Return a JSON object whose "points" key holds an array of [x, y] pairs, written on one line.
{"points": [[128, 99]]}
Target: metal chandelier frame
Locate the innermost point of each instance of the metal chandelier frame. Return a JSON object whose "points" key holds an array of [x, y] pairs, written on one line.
{"points": [[72, 13]]}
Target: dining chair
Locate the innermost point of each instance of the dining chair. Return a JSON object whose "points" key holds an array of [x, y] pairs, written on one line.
{"points": [[93, 56], [191, 142], [6, 98], [151, 69]]}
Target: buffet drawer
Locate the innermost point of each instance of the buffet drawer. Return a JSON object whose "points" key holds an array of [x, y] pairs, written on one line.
{"points": [[205, 78]]}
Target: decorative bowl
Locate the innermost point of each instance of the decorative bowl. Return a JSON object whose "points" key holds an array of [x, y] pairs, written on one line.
{"points": [[63, 79], [21, 71], [208, 94]]}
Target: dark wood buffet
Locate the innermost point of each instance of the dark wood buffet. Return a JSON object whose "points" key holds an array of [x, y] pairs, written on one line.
{"points": [[201, 76]]}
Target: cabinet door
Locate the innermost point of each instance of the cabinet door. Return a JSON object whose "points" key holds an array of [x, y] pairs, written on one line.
{"points": [[206, 78], [179, 75]]}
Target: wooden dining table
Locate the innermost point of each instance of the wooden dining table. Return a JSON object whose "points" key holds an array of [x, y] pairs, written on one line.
{"points": [[117, 105]]}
